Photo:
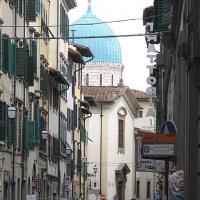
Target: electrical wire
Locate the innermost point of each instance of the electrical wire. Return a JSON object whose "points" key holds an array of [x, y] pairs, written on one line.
{"points": [[84, 37], [86, 24]]}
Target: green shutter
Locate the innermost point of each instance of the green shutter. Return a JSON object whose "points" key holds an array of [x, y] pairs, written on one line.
{"points": [[37, 6], [13, 59], [69, 73], [37, 120], [30, 139], [78, 160], [3, 121], [83, 133], [1, 53], [6, 53], [34, 54], [13, 125], [31, 10], [162, 15], [30, 74], [22, 55]]}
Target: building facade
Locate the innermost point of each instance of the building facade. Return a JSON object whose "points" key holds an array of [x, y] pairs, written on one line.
{"points": [[178, 82]]}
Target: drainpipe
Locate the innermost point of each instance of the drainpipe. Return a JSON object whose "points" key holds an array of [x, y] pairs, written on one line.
{"points": [[101, 130], [84, 154]]}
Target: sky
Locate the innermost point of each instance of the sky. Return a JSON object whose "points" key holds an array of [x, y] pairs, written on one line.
{"points": [[134, 49]]}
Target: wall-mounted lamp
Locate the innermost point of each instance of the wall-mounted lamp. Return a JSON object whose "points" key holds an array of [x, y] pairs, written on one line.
{"points": [[84, 160], [12, 112], [45, 134]]}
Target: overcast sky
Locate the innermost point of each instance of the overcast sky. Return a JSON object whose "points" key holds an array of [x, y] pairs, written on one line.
{"points": [[134, 49]]}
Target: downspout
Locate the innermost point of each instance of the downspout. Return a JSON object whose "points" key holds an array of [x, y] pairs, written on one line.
{"points": [[101, 131], [84, 154]]}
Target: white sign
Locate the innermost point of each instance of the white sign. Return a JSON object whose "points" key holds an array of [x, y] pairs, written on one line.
{"points": [[146, 165], [31, 197], [158, 150]]}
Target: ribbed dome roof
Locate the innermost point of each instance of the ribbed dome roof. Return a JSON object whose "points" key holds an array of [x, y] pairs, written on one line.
{"points": [[104, 49]]}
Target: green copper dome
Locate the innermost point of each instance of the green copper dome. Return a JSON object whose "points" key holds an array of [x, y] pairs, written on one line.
{"points": [[104, 49]]}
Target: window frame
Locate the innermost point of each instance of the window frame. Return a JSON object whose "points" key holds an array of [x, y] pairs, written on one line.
{"points": [[121, 129]]}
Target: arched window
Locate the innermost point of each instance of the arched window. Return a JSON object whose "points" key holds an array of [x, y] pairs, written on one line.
{"points": [[87, 80], [121, 129], [100, 79], [112, 80]]}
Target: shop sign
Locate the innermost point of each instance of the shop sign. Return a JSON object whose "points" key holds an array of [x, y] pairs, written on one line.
{"points": [[151, 80], [157, 150]]}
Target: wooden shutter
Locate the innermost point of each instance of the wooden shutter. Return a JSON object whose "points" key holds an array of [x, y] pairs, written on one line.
{"points": [[22, 56], [6, 53], [83, 133], [31, 10], [162, 15], [56, 149], [34, 54], [78, 160], [13, 59], [30, 75], [31, 135], [13, 125], [3, 124], [37, 120], [1, 53], [75, 115]]}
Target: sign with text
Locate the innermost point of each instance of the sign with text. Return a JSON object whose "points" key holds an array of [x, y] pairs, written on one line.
{"points": [[154, 150], [146, 165]]}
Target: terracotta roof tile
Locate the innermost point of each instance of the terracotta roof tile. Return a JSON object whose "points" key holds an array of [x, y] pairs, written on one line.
{"points": [[104, 93], [139, 94]]}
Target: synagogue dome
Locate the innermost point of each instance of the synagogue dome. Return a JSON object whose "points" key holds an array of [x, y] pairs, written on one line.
{"points": [[105, 49]]}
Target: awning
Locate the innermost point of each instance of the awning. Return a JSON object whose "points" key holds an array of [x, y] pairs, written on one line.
{"points": [[54, 73], [83, 50], [75, 55]]}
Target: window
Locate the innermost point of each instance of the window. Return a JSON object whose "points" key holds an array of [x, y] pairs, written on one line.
{"points": [[121, 129], [87, 80], [121, 134], [112, 80], [140, 113], [151, 122], [137, 189], [100, 79], [148, 189], [64, 23]]}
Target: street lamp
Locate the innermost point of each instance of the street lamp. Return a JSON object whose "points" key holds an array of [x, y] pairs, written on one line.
{"points": [[11, 115], [44, 134]]}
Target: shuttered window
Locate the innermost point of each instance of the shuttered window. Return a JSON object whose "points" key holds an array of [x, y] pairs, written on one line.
{"points": [[78, 166], [64, 23], [37, 6], [22, 57], [30, 75], [44, 81], [83, 133], [162, 15], [37, 120], [30, 135], [1, 53], [34, 55], [31, 10], [3, 121]]}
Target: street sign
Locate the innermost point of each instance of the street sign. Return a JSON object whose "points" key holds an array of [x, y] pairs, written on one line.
{"points": [[151, 150], [168, 127]]}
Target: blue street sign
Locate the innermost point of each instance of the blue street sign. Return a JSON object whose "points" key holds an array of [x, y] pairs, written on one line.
{"points": [[168, 127]]}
